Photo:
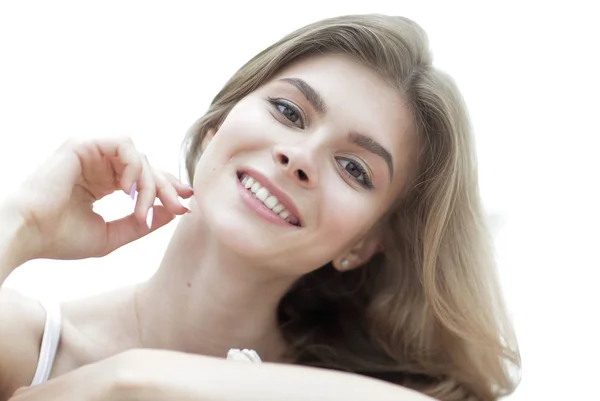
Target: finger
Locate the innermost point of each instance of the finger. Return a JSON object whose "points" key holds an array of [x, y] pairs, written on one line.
{"points": [[61, 171], [165, 191], [146, 192], [128, 229], [183, 190], [130, 164], [95, 167]]}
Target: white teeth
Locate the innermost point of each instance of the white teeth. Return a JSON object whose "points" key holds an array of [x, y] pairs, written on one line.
{"points": [[271, 202], [266, 198], [262, 194]]}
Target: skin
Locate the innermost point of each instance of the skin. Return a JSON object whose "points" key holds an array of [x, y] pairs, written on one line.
{"points": [[226, 268]]}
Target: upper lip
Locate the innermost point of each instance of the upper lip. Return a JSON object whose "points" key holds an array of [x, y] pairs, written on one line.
{"points": [[281, 196]]}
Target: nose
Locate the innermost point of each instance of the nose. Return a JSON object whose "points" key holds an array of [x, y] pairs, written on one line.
{"points": [[296, 163]]}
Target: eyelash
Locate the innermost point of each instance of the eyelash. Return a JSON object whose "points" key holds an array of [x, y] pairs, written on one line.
{"points": [[366, 183], [279, 102]]}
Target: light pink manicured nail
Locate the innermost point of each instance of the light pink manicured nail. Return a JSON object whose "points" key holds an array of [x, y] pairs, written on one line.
{"points": [[133, 190], [135, 196], [149, 218]]}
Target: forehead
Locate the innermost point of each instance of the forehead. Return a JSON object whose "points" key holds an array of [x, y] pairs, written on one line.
{"points": [[359, 100], [336, 75]]}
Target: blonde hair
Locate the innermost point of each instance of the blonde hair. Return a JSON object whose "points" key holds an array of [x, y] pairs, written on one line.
{"points": [[428, 312]]}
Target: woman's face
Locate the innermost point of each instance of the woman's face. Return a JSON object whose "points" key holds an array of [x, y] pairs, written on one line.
{"points": [[325, 148]]}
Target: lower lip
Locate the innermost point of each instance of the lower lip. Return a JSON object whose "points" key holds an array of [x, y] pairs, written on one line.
{"points": [[259, 208]]}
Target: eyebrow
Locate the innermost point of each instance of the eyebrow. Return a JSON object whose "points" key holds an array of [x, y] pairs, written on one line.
{"points": [[365, 142], [313, 97], [374, 147]]}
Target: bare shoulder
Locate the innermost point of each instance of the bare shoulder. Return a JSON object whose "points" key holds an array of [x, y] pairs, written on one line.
{"points": [[22, 322]]}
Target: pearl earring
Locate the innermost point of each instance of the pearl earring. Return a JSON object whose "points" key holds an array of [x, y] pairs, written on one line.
{"points": [[345, 264]]}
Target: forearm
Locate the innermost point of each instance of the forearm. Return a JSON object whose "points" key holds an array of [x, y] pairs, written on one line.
{"points": [[12, 242], [190, 377]]}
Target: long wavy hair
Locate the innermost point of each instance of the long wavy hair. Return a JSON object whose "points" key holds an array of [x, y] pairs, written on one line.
{"points": [[426, 313]]}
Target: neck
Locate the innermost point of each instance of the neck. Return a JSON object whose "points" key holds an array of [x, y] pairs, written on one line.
{"points": [[206, 300]]}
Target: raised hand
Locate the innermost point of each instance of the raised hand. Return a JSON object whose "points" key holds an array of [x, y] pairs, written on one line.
{"points": [[56, 203]]}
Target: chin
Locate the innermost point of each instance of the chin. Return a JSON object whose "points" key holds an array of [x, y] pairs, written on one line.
{"points": [[262, 246], [232, 227], [241, 237]]}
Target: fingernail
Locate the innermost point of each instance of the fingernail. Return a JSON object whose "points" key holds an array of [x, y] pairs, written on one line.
{"points": [[189, 187], [184, 202], [135, 196], [133, 190], [149, 218]]}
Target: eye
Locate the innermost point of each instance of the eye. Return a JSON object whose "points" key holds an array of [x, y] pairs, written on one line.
{"points": [[288, 111], [356, 171]]}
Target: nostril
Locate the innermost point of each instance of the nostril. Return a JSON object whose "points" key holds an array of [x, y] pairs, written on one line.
{"points": [[302, 175], [284, 159]]}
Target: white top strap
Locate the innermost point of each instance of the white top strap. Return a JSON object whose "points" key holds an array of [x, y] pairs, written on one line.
{"points": [[50, 340]]}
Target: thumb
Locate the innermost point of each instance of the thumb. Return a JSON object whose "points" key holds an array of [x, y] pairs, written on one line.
{"points": [[128, 229]]}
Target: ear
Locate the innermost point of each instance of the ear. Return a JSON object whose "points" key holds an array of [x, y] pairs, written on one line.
{"points": [[360, 253], [207, 138]]}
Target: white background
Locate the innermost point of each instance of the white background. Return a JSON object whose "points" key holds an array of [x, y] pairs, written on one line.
{"points": [[529, 73]]}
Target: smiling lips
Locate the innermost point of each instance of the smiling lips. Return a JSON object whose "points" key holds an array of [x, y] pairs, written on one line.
{"points": [[279, 208]]}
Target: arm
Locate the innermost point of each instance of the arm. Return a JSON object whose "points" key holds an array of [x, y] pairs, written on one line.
{"points": [[161, 375], [12, 241], [21, 318]]}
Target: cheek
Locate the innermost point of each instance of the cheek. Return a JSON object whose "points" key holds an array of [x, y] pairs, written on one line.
{"points": [[243, 130], [346, 216], [247, 123]]}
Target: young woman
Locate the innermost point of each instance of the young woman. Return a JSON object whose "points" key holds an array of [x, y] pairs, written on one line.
{"points": [[335, 229]]}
